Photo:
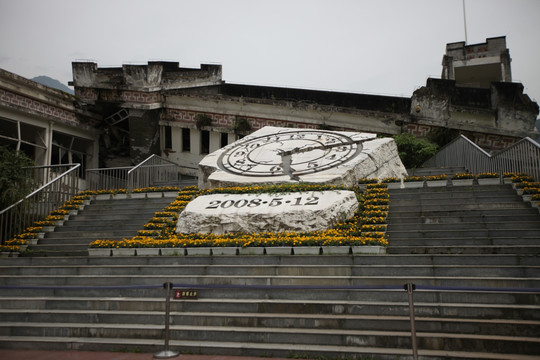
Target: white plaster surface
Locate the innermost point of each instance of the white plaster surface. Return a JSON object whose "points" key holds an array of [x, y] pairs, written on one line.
{"points": [[253, 213], [274, 155]]}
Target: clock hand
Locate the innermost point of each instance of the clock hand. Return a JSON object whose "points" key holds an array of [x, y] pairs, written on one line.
{"points": [[322, 147], [286, 160]]}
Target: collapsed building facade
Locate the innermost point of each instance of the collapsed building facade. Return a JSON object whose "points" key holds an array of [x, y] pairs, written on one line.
{"points": [[183, 114]]}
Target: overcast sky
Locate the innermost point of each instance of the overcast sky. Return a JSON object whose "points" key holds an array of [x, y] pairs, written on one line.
{"points": [[364, 46]]}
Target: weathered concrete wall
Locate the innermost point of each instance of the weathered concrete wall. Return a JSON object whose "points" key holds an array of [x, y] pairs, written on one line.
{"points": [[501, 111], [143, 134], [224, 110], [151, 77]]}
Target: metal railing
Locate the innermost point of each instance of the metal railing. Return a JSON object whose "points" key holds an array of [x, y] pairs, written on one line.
{"points": [[107, 178], [154, 170], [61, 183], [521, 157], [408, 307]]}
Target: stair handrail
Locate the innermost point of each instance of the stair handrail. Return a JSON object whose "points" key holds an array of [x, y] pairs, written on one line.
{"points": [[107, 178], [520, 157], [153, 168], [39, 203]]}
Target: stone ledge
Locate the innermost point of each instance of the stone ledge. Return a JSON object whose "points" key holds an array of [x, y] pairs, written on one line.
{"points": [[241, 251]]}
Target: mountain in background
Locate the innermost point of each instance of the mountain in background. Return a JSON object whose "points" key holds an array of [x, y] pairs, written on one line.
{"points": [[52, 83]]}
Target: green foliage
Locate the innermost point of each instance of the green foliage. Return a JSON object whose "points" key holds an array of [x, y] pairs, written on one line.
{"points": [[202, 120], [15, 181], [442, 136], [241, 125], [413, 152]]}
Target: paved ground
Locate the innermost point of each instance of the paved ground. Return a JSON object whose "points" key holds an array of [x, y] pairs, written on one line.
{"points": [[98, 355]]}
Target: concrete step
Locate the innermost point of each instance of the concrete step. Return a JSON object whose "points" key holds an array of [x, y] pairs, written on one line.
{"points": [[479, 242], [464, 224], [281, 270], [509, 327], [242, 349], [96, 234], [70, 241], [461, 218], [388, 259], [312, 336], [81, 224], [236, 280], [463, 233], [457, 201], [410, 212], [477, 304], [459, 206], [117, 213], [286, 320], [454, 191], [436, 171], [87, 231], [465, 249]]}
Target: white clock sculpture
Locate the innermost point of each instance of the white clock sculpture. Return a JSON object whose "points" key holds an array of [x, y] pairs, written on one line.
{"points": [[275, 155], [283, 155]]}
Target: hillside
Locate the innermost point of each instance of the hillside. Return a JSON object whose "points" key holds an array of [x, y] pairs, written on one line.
{"points": [[52, 83]]}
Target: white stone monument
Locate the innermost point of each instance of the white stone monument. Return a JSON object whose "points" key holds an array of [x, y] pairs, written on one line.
{"points": [[255, 213], [274, 155]]}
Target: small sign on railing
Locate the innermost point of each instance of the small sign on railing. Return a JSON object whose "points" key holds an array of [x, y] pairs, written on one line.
{"points": [[186, 294]]}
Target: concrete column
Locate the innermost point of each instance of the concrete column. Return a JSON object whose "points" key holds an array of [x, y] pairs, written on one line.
{"points": [[48, 143]]}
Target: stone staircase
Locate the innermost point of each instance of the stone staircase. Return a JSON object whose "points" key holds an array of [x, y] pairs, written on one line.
{"points": [[274, 305], [489, 219], [102, 219]]}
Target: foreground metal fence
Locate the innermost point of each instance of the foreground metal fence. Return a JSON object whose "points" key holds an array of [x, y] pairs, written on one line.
{"points": [[59, 183], [521, 157], [167, 353]]}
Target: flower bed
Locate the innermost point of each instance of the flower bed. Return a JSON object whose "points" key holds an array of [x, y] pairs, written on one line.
{"points": [[366, 227]]}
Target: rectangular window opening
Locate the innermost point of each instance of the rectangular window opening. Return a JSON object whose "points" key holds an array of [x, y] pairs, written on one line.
{"points": [[167, 141], [186, 139], [224, 139], [205, 142]]}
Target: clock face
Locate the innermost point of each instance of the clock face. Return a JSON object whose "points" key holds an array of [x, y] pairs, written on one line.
{"points": [[293, 153]]}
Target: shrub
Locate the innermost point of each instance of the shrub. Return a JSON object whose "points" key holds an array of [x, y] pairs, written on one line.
{"points": [[15, 182], [413, 152]]}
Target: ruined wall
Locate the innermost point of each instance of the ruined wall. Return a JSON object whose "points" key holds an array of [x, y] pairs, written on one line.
{"points": [[496, 117], [143, 134]]}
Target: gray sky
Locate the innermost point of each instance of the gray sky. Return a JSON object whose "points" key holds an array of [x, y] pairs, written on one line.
{"points": [[364, 46]]}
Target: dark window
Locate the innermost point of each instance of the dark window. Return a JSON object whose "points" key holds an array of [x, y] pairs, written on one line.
{"points": [[224, 139], [186, 141], [167, 143], [205, 142]]}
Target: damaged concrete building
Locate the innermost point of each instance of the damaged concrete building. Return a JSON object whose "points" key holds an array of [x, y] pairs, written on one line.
{"points": [[182, 114]]}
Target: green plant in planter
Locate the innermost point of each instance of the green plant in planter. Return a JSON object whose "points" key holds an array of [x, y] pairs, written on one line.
{"points": [[487, 175], [202, 120], [437, 177], [413, 178], [390, 180], [462, 176], [368, 181], [241, 125]]}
